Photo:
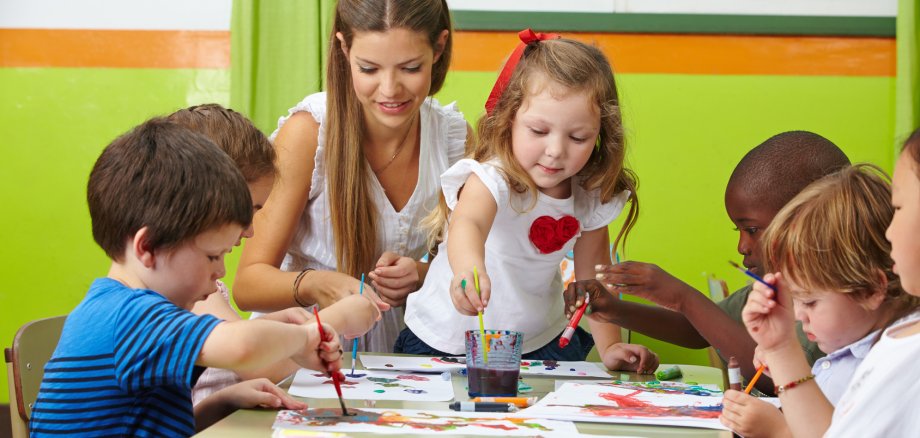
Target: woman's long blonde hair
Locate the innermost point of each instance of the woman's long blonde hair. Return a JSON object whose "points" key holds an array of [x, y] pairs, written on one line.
{"points": [[347, 180], [831, 237], [574, 66]]}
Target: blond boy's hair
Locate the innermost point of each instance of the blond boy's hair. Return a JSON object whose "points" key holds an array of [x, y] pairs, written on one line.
{"points": [[831, 237]]}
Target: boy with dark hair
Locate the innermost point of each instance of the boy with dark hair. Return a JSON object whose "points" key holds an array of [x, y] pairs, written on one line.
{"points": [[764, 180], [166, 205]]}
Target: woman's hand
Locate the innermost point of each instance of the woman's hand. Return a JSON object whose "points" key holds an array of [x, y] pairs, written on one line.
{"points": [[394, 278], [328, 287]]}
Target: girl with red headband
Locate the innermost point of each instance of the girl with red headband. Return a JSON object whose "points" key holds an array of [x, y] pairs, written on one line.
{"points": [[546, 177]]}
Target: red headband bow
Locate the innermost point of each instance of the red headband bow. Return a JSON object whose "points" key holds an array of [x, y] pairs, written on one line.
{"points": [[527, 36]]}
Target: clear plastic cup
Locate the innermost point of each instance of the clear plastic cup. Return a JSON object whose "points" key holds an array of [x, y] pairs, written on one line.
{"points": [[496, 376]]}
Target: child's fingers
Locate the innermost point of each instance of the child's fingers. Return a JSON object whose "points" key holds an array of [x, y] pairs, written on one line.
{"points": [[485, 290], [461, 303]]}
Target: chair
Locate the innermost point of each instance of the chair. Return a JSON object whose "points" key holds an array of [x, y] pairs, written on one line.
{"points": [[25, 366]]}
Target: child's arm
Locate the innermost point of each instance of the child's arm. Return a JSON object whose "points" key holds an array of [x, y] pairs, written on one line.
{"points": [[591, 248], [351, 316], [752, 418], [242, 345], [248, 394], [260, 284], [708, 320], [769, 319], [468, 229]]}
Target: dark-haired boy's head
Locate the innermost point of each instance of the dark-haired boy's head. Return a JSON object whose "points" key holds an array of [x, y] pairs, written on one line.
{"points": [[769, 176], [173, 181]]}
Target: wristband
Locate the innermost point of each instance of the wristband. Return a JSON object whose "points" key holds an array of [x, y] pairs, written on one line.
{"points": [[783, 388], [297, 287]]}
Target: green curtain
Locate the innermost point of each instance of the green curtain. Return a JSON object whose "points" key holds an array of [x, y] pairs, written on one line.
{"points": [[277, 55], [907, 84]]}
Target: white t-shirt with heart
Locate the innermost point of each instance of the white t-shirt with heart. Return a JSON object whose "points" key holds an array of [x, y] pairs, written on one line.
{"points": [[526, 284]]}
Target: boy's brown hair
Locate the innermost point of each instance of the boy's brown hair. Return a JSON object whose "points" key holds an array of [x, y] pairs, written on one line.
{"points": [[165, 177], [235, 134], [831, 237]]}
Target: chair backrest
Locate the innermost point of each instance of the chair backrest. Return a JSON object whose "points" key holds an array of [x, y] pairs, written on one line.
{"points": [[32, 348]]}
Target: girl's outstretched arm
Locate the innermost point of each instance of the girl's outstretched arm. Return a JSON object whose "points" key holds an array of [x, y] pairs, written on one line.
{"points": [[468, 228]]}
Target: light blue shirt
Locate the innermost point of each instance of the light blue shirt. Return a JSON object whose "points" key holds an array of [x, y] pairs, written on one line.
{"points": [[834, 371]]}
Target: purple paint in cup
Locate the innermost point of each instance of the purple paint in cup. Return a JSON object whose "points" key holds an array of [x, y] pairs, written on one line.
{"points": [[499, 376]]}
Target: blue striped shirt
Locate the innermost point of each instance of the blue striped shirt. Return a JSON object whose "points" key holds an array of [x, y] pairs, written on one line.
{"points": [[123, 366]]}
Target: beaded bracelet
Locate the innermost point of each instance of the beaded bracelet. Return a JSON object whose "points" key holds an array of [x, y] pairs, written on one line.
{"points": [[297, 286], [782, 388]]}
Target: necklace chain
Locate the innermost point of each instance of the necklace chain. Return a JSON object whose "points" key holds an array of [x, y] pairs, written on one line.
{"points": [[399, 149]]}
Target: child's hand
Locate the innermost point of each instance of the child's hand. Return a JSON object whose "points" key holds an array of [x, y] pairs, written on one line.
{"points": [[644, 280], [752, 418], [761, 359], [769, 321], [601, 307], [321, 354], [630, 357], [258, 393], [394, 278], [463, 292]]}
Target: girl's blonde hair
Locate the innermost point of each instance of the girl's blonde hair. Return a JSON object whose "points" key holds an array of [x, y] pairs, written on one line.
{"points": [[576, 67], [831, 237], [347, 180]]}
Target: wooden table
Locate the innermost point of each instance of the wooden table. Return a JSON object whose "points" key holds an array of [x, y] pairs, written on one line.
{"points": [[258, 423]]}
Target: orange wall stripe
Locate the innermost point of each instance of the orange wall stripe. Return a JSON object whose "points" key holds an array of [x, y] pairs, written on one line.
{"points": [[704, 54], [114, 48], [476, 51]]}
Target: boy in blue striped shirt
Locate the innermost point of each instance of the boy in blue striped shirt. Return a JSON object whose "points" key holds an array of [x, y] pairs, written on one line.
{"points": [[166, 205]]}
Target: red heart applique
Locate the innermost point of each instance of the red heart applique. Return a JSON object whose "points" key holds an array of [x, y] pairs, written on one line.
{"points": [[550, 235]]}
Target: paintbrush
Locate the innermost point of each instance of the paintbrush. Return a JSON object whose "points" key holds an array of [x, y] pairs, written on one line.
{"points": [[354, 345], [752, 275], [754, 379], [335, 376], [482, 329]]}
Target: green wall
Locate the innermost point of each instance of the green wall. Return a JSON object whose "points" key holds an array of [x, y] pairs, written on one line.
{"points": [[685, 135]]}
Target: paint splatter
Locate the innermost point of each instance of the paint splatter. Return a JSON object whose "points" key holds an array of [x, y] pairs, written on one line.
{"points": [[447, 360], [380, 391], [389, 365], [628, 406], [426, 365], [331, 417], [355, 376], [381, 380], [415, 391], [344, 383], [413, 377]]}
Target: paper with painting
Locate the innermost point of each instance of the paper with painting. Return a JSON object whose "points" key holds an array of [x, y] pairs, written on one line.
{"points": [[407, 421], [440, 364], [374, 385], [628, 404]]}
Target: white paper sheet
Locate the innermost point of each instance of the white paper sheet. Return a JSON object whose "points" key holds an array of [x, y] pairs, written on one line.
{"points": [[628, 405], [374, 385]]}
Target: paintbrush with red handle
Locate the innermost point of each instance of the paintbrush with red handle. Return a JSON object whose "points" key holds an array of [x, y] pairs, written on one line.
{"points": [[335, 376]]}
